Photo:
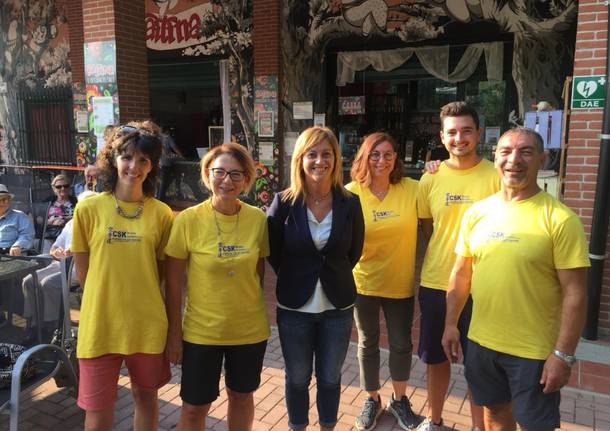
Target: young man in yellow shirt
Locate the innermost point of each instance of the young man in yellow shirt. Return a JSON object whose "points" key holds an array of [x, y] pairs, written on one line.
{"points": [[523, 256], [443, 197]]}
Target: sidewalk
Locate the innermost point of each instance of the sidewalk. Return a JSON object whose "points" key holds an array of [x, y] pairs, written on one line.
{"points": [[48, 408]]}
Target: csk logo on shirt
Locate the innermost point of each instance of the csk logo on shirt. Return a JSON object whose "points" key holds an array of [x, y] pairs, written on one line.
{"points": [[497, 236], [457, 199], [380, 215], [225, 250], [115, 236]]}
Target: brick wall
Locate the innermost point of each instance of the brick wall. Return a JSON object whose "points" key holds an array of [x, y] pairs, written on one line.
{"points": [[266, 17], [132, 62], [124, 22], [585, 126], [74, 15]]}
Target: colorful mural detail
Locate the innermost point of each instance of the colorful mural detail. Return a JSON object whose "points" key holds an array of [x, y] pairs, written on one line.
{"points": [[267, 179], [85, 149], [101, 82], [542, 44], [34, 52]]}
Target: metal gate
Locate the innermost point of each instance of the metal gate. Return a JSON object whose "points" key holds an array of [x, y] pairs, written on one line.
{"points": [[46, 127]]}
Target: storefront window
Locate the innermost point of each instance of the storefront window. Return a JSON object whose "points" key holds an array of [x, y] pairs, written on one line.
{"points": [[432, 93]]}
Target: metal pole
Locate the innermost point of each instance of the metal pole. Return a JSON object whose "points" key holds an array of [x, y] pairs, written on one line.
{"points": [[599, 225]]}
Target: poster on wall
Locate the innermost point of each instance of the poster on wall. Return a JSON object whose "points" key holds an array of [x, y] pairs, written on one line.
{"points": [[100, 62], [319, 120], [265, 153], [265, 124], [103, 115], [351, 105], [302, 110]]}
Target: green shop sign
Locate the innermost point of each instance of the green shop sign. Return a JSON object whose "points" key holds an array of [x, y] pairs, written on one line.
{"points": [[588, 92]]}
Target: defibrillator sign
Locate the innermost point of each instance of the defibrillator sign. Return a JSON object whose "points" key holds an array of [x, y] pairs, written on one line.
{"points": [[588, 92]]}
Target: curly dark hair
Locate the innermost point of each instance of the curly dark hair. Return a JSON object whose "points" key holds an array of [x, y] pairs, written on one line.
{"points": [[143, 136]]}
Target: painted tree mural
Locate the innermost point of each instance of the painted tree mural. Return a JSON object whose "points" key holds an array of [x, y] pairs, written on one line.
{"points": [[542, 48], [33, 55], [228, 31]]}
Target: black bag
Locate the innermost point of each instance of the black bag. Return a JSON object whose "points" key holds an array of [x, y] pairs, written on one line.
{"points": [[8, 357]]}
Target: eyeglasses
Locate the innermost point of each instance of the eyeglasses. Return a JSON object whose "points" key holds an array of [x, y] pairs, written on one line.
{"points": [[220, 174], [62, 186], [376, 155]]}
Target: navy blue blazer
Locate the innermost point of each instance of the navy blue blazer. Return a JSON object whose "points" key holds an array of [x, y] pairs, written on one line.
{"points": [[298, 263]]}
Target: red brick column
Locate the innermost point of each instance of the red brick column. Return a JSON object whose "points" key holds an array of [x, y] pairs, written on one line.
{"points": [[585, 126], [124, 22], [265, 35], [74, 15]]}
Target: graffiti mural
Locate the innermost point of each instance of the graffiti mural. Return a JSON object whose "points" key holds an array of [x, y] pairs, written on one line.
{"points": [[34, 52], [543, 38]]}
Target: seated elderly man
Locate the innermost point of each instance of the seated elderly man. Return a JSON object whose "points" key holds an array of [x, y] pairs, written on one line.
{"points": [[16, 232]]}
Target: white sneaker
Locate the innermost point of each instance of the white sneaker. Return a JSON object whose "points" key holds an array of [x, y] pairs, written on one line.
{"points": [[428, 425]]}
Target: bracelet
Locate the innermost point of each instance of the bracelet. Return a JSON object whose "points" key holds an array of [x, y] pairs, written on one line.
{"points": [[568, 359]]}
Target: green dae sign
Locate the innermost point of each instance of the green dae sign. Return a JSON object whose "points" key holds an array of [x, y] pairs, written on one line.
{"points": [[588, 92]]}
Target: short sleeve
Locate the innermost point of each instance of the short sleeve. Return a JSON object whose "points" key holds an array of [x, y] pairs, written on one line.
{"points": [[462, 246], [80, 230], [177, 245], [423, 202], [166, 227], [570, 248]]}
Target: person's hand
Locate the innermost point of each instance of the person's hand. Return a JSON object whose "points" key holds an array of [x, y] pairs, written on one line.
{"points": [[555, 374], [451, 343], [432, 166], [173, 347], [15, 251], [58, 252]]}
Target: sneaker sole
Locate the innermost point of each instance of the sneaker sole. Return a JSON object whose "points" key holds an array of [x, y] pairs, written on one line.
{"points": [[379, 413], [390, 410]]}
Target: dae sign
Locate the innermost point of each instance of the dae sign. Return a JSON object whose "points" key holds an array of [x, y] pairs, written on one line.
{"points": [[588, 92]]}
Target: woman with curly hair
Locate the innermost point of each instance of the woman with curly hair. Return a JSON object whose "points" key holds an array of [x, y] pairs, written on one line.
{"points": [[118, 242]]}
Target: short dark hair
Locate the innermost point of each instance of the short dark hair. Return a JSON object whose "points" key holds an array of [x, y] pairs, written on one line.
{"points": [[459, 109], [143, 136], [239, 153], [517, 130]]}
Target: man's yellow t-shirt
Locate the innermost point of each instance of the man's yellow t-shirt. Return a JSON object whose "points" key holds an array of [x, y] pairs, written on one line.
{"points": [[517, 248], [123, 310], [387, 265], [225, 303], [444, 197]]}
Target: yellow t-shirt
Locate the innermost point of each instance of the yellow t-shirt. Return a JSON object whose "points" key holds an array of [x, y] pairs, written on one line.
{"points": [[517, 248], [444, 197], [387, 265], [123, 310], [225, 303]]}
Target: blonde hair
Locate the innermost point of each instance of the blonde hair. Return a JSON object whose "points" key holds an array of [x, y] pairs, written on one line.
{"points": [[61, 177], [239, 153], [306, 140]]}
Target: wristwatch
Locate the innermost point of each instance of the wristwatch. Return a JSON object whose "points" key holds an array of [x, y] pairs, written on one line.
{"points": [[568, 359]]}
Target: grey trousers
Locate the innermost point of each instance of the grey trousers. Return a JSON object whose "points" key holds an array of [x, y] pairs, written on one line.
{"points": [[398, 315]]}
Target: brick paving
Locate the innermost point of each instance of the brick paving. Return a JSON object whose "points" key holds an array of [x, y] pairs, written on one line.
{"points": [[48, 408]]}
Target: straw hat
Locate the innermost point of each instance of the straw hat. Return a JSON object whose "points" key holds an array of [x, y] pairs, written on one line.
{"points": [[4, 191]]}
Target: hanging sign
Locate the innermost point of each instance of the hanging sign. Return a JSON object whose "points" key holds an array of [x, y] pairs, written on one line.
{"points": [[588, 92], [351, 105]]}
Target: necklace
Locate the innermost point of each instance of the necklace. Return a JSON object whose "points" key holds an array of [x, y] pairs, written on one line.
{"points": [[120, 211], [224, 250], [380, 195], [318, 201]]}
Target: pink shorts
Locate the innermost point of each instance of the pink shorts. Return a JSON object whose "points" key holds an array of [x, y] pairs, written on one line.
{"points": [[97, 387]]}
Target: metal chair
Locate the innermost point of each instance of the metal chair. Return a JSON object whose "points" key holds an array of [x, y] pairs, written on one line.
{"points": [[49, 359]]}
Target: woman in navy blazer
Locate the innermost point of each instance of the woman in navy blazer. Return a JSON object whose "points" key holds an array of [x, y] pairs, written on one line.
{"points": [[316, 232]]}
